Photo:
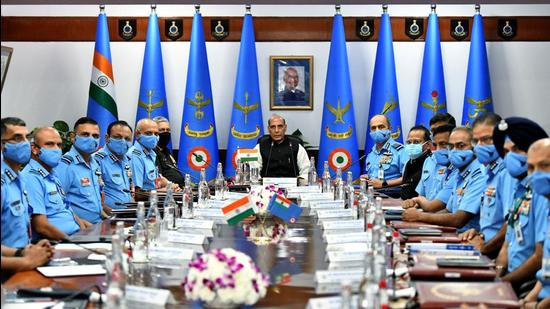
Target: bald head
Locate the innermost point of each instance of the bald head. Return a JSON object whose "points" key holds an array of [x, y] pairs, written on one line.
{"points": [[538, 156], [45, 133], [45, 138], [380, 122], [146, 126]]}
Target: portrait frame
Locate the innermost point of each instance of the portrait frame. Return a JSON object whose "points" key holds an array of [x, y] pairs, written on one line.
{"points": [[6, 58], [301, 96]]}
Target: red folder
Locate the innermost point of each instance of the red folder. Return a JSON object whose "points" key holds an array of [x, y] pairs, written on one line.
{"points": [[425, 268], [453, 294], [411, 225]]}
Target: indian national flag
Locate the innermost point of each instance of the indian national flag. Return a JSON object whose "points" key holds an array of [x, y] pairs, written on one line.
{"points": [[248, 155], [102, 105], [238, 210]]}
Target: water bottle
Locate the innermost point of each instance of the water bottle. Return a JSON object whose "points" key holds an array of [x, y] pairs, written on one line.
{"points": [[312, 173], [204, 191], [219, 186], [170, 205], [140, 240], [117, 282], [368, 287], [187, 199], [346, 292], [153, 218], [327, 186], [339, 193], [239, 173], [350, 192]]}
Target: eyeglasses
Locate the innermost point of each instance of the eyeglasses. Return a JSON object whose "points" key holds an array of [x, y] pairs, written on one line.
{"points": [[415, 142], [17, 139], [485, 140]]}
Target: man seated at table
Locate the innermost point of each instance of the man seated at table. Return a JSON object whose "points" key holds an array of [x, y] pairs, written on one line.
{"points": [[538, 162], [462, 195], [417, 147], [385, 161], [27, 258], [80, 176], [521, 254], [115, 166], [165, 161], [281, 155], [499, 189], [51, 217]]}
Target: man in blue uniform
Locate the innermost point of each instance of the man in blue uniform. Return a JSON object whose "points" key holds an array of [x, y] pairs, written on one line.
{"points": [[538, 162], [51, 217], [520, 256], [464, 191], [385, 162], [116, 170], [498, 192], [144, 170], [80, 175], [16, 151]]}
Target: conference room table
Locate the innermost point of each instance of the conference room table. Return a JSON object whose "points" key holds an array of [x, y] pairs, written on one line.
{"points": [[291, 263]]}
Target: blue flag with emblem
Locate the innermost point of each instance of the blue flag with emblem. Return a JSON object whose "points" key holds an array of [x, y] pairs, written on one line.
{"points": [[384, 97], [152, 92], [246, 119], [477, 97], [338, 142], [102, 105], [198, 142], [432, 98]]}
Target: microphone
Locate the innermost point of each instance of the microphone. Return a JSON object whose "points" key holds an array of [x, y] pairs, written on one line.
{"points": [[355, 162], [268, 158], [68, 241]]}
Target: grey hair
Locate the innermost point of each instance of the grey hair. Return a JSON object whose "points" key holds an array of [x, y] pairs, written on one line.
{"points": [[159, 119], [273, 116]]}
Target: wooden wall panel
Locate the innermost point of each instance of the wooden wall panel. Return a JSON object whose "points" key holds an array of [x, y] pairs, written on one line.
{"points": [[267, 29]]}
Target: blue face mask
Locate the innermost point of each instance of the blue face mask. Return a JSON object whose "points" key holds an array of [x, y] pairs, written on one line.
{"points": [[118, 146], [486, 153], [380, 136], [86, 144], [50, 156], [20, 152], [461, 158], [540, 182], [516, 164], [414, 150], [148, 141], [442, 157]]}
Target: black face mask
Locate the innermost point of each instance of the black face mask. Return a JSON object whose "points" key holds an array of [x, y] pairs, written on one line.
{"points": [[164, 139]]}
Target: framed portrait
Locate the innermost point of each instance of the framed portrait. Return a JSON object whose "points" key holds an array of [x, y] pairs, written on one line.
{"points": [[291, 82], [6, 57]]}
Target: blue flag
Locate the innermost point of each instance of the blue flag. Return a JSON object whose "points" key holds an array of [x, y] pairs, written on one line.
{"points": [[198, 142], [283, 208], [477, 97], [432, 98], [152, 92], [338, 142], [246, 119], [384, 98], [102, 105]]}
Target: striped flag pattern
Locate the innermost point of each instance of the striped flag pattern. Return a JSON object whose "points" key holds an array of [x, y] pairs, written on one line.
{"points": [[248, 155], [238, 210], [102, 105]]}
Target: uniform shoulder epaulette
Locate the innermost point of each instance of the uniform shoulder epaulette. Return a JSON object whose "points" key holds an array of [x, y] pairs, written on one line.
{"points": [[477, 172], [67, 159], [100, 154], [397, 146], [38, 172], [136, 152], [2, 180]]}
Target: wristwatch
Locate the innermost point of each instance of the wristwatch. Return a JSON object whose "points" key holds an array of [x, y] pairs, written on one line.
{"points": [[19, 252], [384, 184]]}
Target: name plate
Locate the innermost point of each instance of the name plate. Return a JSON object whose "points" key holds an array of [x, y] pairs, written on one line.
{"points": [[326, 204], [281, 182], [333, 302], [343, 256], [334, 213], [343, 224], [357, 247], [195, 223], [337, 276], [234, 195], [346, 265], [347, 238], [208, 212], [296, 191], [186, 238], [171, 253], [141, 294], [218, 203]]}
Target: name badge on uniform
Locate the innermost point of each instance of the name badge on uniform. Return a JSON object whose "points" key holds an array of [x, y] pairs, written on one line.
{"points": [[518, 232], [85, 181], [546, 268], [128, 171], [52, 193], [386, 158], [441, 171], [115, 175], [525, 207], [460, 192]]}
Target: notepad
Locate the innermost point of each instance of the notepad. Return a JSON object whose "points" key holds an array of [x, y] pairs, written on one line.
{"points": [[69, 271]]}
